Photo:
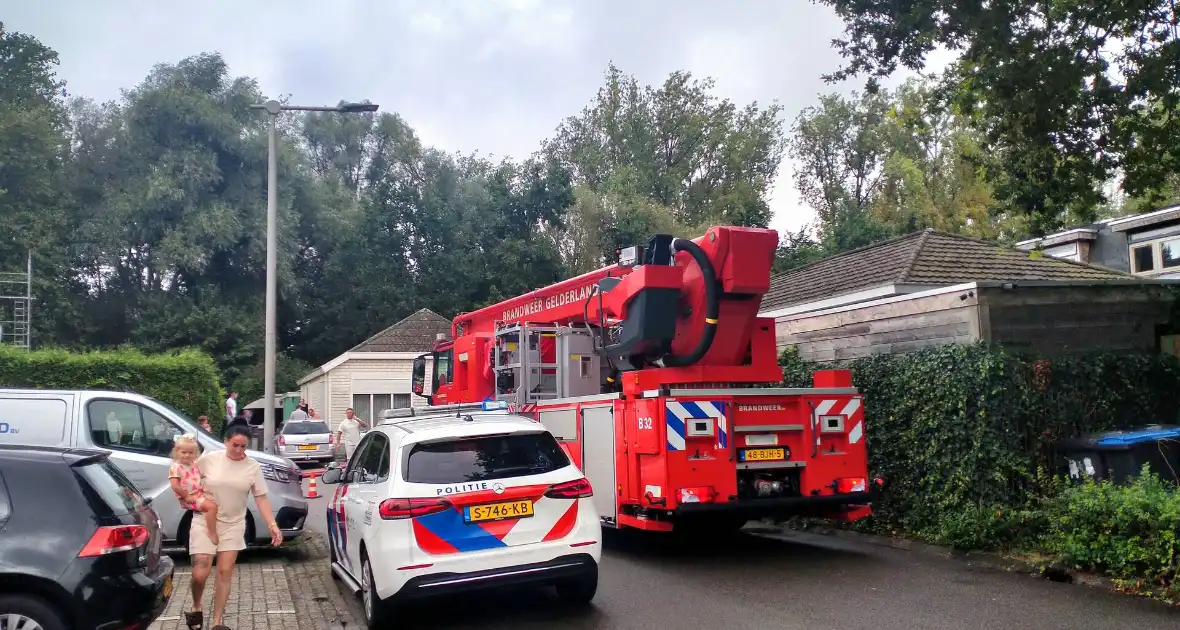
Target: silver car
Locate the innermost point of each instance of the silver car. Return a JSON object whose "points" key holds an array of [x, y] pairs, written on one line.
{"points": [[138, 432], [305, 441]]}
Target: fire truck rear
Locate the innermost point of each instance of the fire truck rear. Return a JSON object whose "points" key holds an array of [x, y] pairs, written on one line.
{"points": [[658, 377]]}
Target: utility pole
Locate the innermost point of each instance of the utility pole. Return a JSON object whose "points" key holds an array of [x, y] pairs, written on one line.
{"points": [[273, 108]]}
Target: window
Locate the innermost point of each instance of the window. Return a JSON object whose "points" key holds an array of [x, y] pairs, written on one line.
{"points": [[305, 428], [112, 492], [443, 373], [484, 458], [127, 426], [1170, 253], [1156, 256], [1144, 258], [370, 406], [371, 463]]}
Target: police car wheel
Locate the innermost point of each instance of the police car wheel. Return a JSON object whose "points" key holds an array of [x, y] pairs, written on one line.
{"points": [[376, 611], [578, 591]]}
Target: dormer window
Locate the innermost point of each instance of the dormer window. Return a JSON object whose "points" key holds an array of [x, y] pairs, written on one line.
{"points": [[1156, 256]]}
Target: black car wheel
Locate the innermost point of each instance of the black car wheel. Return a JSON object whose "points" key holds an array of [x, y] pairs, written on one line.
{"points": [[25, 612], [580, 590], [377, 613]]}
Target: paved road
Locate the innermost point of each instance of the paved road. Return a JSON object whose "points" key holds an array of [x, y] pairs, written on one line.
{"points": [[797, 581]]}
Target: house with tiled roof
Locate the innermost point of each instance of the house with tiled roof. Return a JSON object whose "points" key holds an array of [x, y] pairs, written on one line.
{"points": [[375, 374], [930, 288]]}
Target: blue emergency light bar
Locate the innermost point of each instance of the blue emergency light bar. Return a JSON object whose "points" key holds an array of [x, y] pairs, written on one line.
{"points": [[494, 405]]}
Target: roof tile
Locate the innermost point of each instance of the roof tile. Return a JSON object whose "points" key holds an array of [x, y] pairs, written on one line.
{"points": [[415, 333], [927, 257]]}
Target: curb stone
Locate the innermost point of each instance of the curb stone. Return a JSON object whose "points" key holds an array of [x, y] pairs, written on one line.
{"points": [[985, 560]]}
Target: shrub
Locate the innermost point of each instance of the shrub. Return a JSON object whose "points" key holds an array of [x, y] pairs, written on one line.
{"points": [[961, 432], [187, 380], [1127, 531]]}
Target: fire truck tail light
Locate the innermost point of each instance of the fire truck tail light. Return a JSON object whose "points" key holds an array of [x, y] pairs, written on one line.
{"points": [[851, 484], [577, 489], [699, 494], [397, 509]]}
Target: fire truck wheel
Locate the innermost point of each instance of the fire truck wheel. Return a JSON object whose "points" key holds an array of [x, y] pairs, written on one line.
{"points": [[578, 591]]}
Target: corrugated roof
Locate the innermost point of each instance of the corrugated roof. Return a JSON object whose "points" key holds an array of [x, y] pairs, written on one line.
{"points": [[923, 258], [415, 333]]}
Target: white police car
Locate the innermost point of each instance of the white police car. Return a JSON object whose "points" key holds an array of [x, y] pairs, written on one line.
{"points": [[447, 500]]}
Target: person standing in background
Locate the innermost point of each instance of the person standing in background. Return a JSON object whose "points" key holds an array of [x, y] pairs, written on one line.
{"points": [[349, 432], [298, 415], [231, 407]]}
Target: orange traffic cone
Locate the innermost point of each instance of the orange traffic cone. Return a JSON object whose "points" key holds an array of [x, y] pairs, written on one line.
{"points": [[312, 492]]}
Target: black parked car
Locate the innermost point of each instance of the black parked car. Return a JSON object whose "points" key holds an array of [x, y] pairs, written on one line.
{"points": [[79, 545]]}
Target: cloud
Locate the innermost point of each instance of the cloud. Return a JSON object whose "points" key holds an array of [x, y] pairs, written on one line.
{"points": [[470, 75]]}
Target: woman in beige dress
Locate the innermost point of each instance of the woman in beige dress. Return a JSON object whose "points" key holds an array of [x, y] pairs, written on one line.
{"points": [[230, 478]]}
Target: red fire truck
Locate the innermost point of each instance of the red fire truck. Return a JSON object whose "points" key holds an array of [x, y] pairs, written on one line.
{"points": [[659, 378]]}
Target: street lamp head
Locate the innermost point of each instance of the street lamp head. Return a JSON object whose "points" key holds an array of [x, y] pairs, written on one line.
{"points": [[273, 107], [356, 108]]}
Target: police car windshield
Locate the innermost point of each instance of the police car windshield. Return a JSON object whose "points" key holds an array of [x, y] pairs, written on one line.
{"points": [[484, 457]]}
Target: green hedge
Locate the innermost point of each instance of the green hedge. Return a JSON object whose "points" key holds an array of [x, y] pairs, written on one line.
{"points": [[187, 380], [960, 432]]}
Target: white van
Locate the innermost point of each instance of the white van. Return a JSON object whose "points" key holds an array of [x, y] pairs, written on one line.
{"points": [[138, 432]]}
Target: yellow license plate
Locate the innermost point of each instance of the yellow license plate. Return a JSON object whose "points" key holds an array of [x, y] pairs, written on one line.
{"points": [[763, 454], [168, 587], [307, 447], [498, 511]]}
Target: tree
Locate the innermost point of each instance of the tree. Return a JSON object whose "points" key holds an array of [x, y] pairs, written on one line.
{"points": [[839, 148], [1067, 92], [935, 175], [883, 163], [679, 146]]}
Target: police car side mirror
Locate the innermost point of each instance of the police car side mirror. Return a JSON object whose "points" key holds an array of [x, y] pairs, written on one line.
{"points": [[331, 476]]}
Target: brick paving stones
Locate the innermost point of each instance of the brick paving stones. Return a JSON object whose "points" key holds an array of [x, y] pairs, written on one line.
{"points": [[284, 589]]}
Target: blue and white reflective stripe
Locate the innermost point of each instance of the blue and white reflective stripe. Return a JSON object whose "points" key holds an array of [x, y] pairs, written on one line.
{"points": [[675, 431], [677, 412]]}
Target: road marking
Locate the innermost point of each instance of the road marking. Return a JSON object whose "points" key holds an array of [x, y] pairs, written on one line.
{"points": [[280, 569], [167, 618], [280, 612]]}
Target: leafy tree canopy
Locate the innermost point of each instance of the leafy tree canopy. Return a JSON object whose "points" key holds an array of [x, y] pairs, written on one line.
{"points": [[1069, 93]]}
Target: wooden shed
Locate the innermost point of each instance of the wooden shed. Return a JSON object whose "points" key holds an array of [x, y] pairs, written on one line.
{"points": [[930, 288]]}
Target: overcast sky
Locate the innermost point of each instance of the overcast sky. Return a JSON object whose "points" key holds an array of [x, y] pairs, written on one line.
{"points": [[495, 76]]}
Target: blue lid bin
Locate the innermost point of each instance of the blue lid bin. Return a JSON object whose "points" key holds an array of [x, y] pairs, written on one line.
{"points": [[1118, 456]]}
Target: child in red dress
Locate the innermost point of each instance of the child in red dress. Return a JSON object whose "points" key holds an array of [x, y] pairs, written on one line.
{"points": [[186, 482]]}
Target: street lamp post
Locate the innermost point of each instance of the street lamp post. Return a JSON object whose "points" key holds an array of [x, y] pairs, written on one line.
{"points": [[273, 108]]}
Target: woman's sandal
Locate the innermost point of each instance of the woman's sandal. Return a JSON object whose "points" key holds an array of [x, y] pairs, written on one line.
{"points": [[194, 620]]}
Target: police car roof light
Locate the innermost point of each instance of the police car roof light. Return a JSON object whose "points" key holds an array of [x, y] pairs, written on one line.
{"points": [[495, 405]]}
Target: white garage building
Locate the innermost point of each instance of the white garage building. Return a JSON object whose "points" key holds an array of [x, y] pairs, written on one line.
{"points": [[375, 374]]}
